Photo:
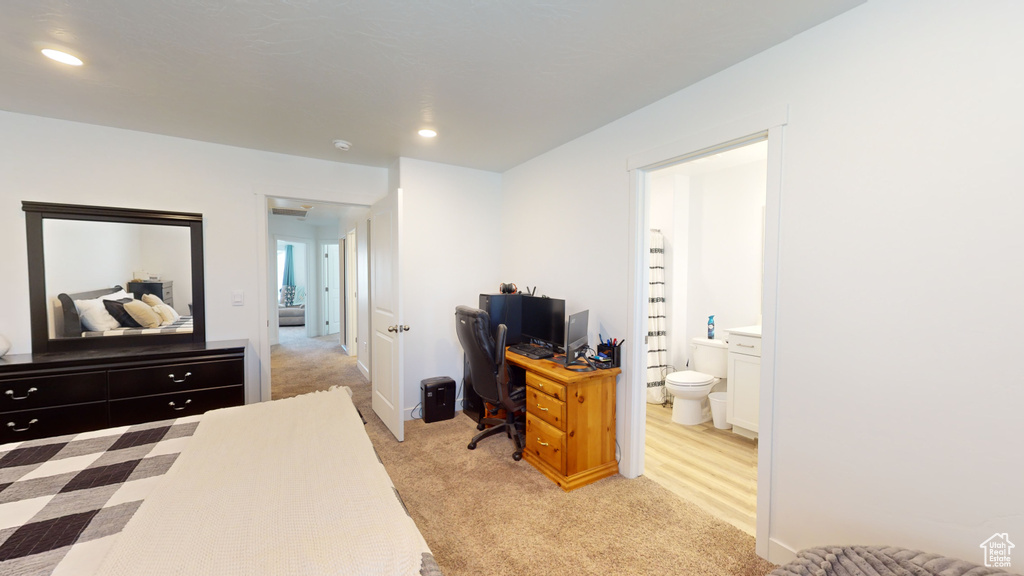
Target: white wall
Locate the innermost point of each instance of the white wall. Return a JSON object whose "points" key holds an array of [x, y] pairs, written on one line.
{"points": [[57, 161], [449, 254], [363, 297], [898, 408], [166, 250], [724, 257]]}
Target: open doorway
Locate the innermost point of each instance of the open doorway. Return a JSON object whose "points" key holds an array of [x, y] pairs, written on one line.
{"points": [[707, 236], [767, 124], [311, 319]]}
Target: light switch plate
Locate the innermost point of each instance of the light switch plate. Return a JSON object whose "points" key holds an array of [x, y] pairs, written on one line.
{"points": [[237, 298]]}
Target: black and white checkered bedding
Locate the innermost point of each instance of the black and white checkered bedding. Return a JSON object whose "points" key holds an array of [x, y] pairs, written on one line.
{"points": [[63, 500], [182, 326]]}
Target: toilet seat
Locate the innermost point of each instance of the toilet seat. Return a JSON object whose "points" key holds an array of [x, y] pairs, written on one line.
{"points": [[688, 379]]}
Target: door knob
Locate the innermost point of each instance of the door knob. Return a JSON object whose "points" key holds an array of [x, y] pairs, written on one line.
{"points": [[405, 328], [392, 328]]}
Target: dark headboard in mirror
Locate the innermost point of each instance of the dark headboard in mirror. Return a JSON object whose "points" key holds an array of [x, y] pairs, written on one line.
{"points": [[113, 277]]}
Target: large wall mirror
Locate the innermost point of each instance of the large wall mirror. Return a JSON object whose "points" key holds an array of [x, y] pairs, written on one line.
{"points": [[113, 277]]}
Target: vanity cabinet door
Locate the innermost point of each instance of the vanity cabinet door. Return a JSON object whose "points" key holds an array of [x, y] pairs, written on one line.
{"points": [[744, 391]]}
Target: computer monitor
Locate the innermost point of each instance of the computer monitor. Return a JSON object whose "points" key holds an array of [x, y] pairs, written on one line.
{"points": [[543, 319], [576, 336]]}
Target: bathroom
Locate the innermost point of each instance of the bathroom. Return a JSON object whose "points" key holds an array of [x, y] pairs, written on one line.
{"points": [[708, 216]]}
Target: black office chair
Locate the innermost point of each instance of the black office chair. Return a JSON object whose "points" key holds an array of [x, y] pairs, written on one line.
{"points": [[486, 358]]}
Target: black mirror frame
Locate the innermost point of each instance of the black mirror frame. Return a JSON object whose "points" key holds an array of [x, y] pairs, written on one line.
{"points": [[35, 212]]}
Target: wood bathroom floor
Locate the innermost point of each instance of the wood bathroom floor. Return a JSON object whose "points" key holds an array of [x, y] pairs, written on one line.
{"points": [[715, 469]]}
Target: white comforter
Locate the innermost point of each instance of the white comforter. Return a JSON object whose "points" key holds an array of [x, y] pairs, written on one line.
{"points": [[290, 487]]}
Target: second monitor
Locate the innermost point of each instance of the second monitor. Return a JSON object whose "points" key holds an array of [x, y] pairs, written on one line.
{"points": [[543, 319]]}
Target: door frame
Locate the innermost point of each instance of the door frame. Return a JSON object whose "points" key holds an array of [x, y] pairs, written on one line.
{"points": [[770, 122], [264, 239], [323, 288]]}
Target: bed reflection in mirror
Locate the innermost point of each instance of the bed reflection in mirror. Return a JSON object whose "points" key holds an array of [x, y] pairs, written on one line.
{"points": [[116, 278]]}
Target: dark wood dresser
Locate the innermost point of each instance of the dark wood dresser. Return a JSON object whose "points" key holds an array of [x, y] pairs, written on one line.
{"points": [[52, 394]]}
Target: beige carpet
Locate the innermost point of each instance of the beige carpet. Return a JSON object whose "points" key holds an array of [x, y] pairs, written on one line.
{"points": [[483, 513]]}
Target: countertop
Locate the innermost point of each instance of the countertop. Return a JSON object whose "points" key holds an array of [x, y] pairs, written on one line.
{"points": [[754, 331]]}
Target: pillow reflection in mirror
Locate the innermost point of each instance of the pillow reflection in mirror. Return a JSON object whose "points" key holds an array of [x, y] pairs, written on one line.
{"points": [[116, 309], [151, 299], [94, 316], [143, 314], [167, 314]]}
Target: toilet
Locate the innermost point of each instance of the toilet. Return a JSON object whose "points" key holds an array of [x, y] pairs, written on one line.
{"points": [[710, 363]]}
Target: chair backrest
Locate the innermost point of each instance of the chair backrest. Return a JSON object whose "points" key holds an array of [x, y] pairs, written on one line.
{"points": [[485, 355]]}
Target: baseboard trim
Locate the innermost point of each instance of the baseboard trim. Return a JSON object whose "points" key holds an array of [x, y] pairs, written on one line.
{"points": [[363, 370], [779, 553]]}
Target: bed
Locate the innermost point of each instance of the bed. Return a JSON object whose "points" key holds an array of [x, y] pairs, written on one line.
{"points": [[292, 486], [68, 324], [878, 561]]}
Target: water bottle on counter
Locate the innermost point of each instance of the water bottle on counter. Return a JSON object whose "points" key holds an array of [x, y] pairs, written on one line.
{"points": [[711, 327]]}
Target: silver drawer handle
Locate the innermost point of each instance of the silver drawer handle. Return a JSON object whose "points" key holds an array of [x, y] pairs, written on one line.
{"points": [[745, 345], [27, 392], [182, 407], [171, 376], [544, 409], [12, 425], [541, 443]]}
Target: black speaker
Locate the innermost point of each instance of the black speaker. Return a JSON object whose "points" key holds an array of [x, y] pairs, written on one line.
{"points": [[438, 398]]}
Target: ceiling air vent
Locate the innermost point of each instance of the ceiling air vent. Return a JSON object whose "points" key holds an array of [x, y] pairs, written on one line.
{"points": [[288, 212]]}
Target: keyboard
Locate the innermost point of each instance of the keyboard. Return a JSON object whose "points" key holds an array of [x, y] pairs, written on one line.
{"points": [[531, 351]]}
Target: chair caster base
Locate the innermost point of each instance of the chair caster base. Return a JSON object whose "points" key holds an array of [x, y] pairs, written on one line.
{"points": [[480, 427], [517, 455], [472, 446]]}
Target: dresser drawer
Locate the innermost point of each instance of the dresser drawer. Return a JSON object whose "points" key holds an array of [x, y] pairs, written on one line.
{"points": [[174, 405], [43, 391], [547, 408], [549, 387], [748, 345], [133, 382], [546, 442], [45, 422]]}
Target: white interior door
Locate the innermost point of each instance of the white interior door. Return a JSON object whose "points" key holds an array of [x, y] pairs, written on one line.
{"points": [[351, 301], [332, 275], [385, 314]]}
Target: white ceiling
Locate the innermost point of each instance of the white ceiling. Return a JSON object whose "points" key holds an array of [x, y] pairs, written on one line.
{"points": [[501, 81]]}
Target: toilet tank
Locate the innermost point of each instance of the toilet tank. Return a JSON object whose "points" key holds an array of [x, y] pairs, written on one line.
{"points": [[710, 357]]}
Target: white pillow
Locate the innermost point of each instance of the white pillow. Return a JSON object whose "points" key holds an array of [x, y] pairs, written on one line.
{"points": [[120, 295], [94, 315]]}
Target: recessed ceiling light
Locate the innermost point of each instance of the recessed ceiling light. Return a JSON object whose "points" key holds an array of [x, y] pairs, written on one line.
{"points": [[427, 133], [342, 145], [62, 57]]}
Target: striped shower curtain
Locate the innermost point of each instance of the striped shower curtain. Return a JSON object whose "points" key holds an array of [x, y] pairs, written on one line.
{"points": [[657, 340]]}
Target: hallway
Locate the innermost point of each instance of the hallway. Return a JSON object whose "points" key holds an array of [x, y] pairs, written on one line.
{"points": [[299, 364]]}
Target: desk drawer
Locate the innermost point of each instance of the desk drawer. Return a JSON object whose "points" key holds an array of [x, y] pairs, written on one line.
{"points": [[546, 442], [545, 385], [174, 405], [46, 422], [545, 407], [44, 391], [134, 382]]}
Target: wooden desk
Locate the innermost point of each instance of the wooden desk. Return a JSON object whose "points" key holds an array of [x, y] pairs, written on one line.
{"points": [[570, 421]]}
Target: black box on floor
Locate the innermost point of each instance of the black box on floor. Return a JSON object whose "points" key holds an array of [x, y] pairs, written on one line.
{"points": [[438, 397]]}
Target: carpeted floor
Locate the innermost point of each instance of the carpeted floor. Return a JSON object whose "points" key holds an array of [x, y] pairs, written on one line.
{"points": [[483, 513]]}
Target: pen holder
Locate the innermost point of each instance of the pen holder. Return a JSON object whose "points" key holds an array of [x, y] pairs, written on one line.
{"points": [[611, 352]]}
